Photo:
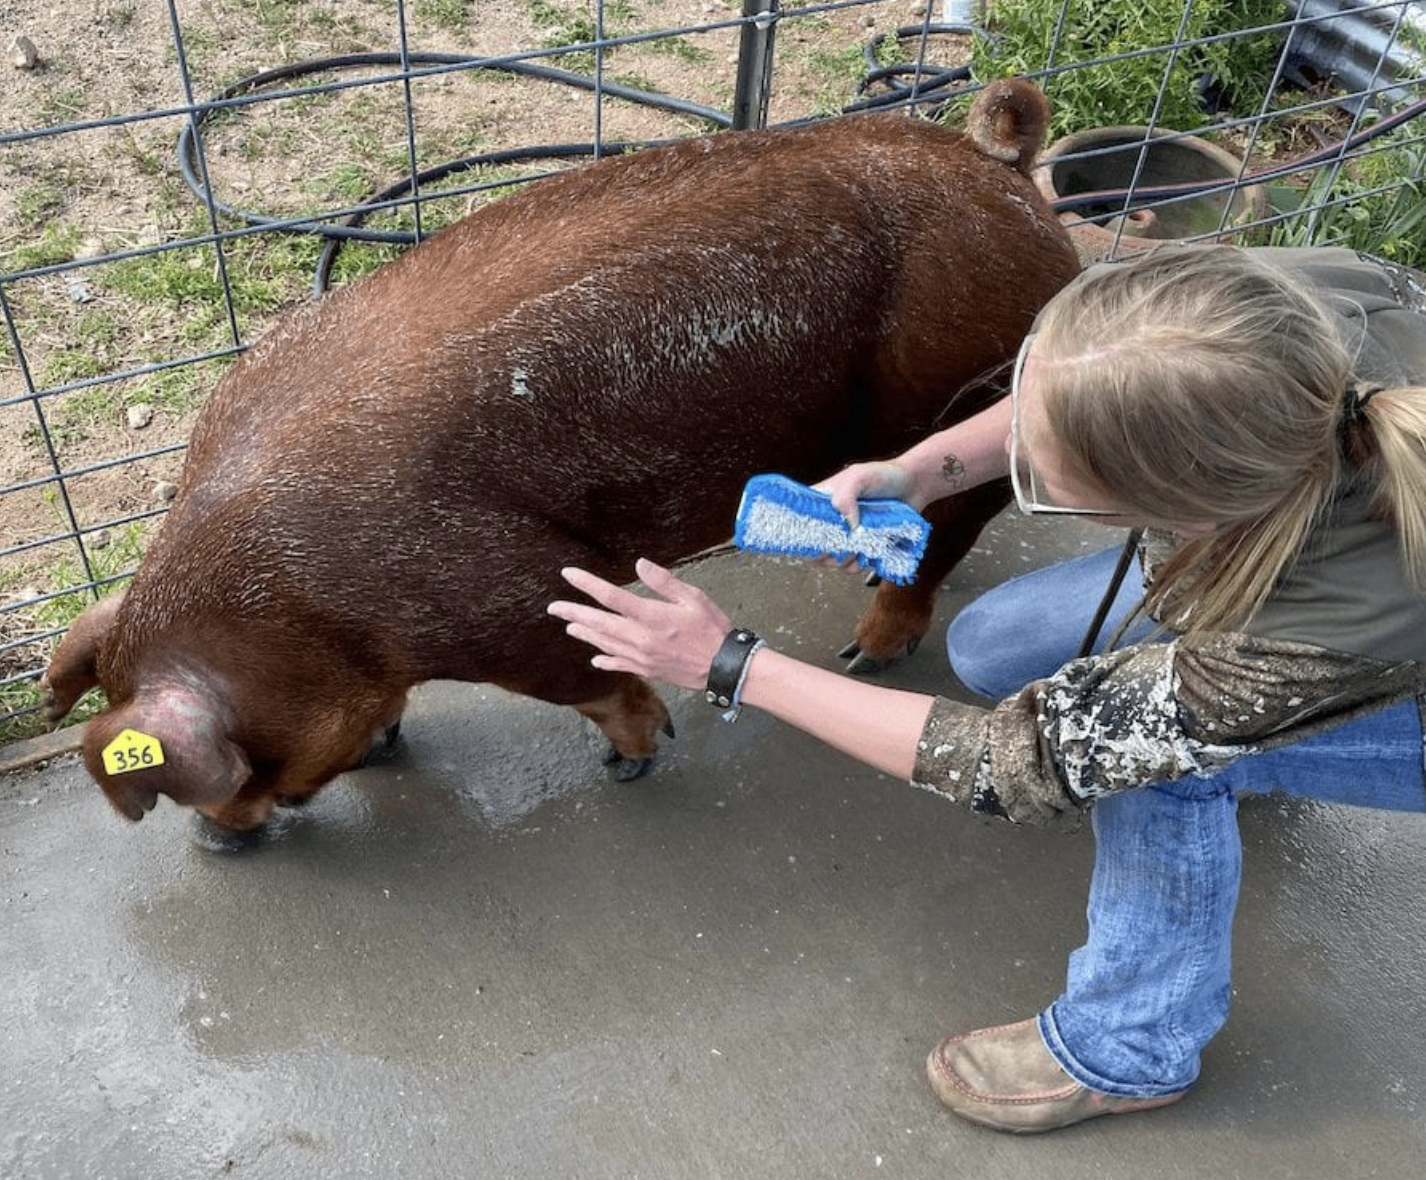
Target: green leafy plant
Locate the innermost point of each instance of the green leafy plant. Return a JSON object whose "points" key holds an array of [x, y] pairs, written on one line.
{"points": [[1026, 37], [1376, 203]]}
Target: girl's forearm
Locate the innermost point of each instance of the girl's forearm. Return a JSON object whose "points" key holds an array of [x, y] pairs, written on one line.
{"points": [[878, 726], [964, 456]]}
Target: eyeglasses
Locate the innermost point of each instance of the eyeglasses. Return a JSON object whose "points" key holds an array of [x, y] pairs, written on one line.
{"points": [[1030, 495]]}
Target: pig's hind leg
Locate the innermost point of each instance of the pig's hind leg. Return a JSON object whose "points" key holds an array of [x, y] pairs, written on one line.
{"points": [[894, 624]]}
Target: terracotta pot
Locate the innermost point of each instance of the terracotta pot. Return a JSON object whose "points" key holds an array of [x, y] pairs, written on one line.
{"points": [[1104, 159]]}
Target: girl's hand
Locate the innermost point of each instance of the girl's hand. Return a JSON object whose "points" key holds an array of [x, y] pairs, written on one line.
{"points": [[671, 637], [886, 480]]}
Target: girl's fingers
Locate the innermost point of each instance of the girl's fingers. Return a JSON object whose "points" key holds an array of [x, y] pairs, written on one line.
{"points": [[669, 635], [615, 598], [581, 614], [614, 637], [596, 637], [625, 602], [668, 587], [844, 499]]}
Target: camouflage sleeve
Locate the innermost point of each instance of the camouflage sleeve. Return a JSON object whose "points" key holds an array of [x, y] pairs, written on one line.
{"points": [[1146, 714]]}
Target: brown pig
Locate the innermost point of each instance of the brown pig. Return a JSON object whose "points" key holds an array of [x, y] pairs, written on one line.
{"points": [[383, 489]]}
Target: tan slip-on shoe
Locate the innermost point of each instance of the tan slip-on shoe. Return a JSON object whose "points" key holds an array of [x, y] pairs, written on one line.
{"points": [[1005, 1078]]}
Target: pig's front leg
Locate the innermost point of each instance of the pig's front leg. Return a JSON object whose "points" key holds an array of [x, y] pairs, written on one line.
{"points": [[630, 715]]}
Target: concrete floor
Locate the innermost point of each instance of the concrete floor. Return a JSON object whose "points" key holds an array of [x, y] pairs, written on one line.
{"points": [[481, 959]]}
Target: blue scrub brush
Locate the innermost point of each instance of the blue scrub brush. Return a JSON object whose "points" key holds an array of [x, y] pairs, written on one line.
{"points": [[780, 515]]}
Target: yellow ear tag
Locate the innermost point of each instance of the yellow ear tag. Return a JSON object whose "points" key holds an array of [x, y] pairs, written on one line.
{"points": [[132, 750]]}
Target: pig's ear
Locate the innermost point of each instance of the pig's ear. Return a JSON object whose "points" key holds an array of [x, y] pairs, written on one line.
{"points": [[165, 741], [73, 670]]}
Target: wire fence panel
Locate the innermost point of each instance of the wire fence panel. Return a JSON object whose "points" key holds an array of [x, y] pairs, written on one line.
{"points": [[172, 176]]}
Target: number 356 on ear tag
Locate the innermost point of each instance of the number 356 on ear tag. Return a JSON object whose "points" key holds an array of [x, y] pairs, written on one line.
{"points": [[131, 751]]}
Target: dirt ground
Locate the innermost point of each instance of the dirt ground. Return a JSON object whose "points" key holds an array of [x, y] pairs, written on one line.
{"points": [[99, 193]]}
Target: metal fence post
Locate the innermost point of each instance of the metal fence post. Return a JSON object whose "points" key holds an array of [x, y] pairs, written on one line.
{"points": [[750, 95]]}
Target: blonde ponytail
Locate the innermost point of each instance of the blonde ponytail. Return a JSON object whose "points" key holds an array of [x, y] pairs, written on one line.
{"points": [[1389, 444]]}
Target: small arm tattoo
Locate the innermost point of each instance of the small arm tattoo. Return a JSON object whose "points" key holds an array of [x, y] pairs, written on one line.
{"points": [[953, 471]]}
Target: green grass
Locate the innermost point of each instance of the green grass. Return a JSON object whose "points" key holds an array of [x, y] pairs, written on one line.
{"points": [[285, 23], [120, 556], [175, 280], [95, 347], [892, 51], [564, 25], [72, 364], [631, 80], [118, 18], [37, 204], [181, 390], [357, 259], [448, 14], [152, 162], [144, 307], [345, 183], [679, 48], [13, 699], [58, 104], [199, 47], [839, 71], [57, 243], [72, 420], [264, 274]]}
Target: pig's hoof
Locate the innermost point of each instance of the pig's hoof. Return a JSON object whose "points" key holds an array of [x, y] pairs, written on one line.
{"points": [[862, 664], [626, 770], [211, 837], [859, 663], [391, 734]]}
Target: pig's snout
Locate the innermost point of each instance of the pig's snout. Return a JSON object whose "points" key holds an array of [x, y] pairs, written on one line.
{"points": [[624, 768], [214, 837], [383, 745]]}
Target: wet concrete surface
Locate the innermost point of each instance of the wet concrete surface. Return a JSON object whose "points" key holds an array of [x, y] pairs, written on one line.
{"points": [[483, 959]]}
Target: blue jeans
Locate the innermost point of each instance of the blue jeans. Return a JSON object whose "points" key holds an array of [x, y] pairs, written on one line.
{"points": [[1150, 987]]}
